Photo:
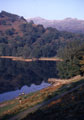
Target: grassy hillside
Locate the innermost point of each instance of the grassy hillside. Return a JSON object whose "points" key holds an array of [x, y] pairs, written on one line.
{"points": [[68, 107]]}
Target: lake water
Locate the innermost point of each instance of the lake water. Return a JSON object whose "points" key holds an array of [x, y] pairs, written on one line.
{"points": [[13, 94], [17, 77]]}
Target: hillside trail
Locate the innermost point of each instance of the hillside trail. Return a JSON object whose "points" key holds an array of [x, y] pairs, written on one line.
{"points": [[23, 114]]}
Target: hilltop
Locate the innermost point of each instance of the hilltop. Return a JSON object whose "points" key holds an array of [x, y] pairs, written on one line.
{"points": [[10, 23]]}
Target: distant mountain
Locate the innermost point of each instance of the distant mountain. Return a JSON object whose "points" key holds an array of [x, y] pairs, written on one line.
{"points": [[68, 24]]}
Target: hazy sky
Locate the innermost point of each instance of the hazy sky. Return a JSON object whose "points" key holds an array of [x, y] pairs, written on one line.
{"points": [[49, 9]]}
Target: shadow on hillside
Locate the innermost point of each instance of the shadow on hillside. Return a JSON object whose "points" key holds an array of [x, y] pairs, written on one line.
{"points": [[69, 107]]}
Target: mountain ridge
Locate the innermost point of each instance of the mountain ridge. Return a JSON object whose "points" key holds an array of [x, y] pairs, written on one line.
{"points": [[68, 24]]}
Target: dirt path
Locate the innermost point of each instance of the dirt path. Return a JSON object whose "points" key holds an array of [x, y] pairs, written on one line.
{"points": [[24, 113]]}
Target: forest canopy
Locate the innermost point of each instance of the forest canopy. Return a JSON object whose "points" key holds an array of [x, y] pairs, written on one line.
{"points": [[73, 59]]}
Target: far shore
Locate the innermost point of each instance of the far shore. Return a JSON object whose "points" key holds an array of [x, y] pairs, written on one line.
{"points": [[31, 59]]}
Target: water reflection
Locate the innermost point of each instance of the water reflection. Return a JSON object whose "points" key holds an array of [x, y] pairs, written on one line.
{"points": [[25, 89], [14, 74]]}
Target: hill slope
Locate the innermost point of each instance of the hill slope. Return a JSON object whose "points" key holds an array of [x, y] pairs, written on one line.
{"points": [[20, 38], [59, 101], [67, 107], [11, 22]]}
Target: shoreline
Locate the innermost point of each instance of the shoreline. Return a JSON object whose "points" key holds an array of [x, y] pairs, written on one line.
{"points": [[55, 81], [31, 59]]}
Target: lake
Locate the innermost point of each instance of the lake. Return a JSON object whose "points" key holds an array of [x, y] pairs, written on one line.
{"points": [[17, 77]]}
